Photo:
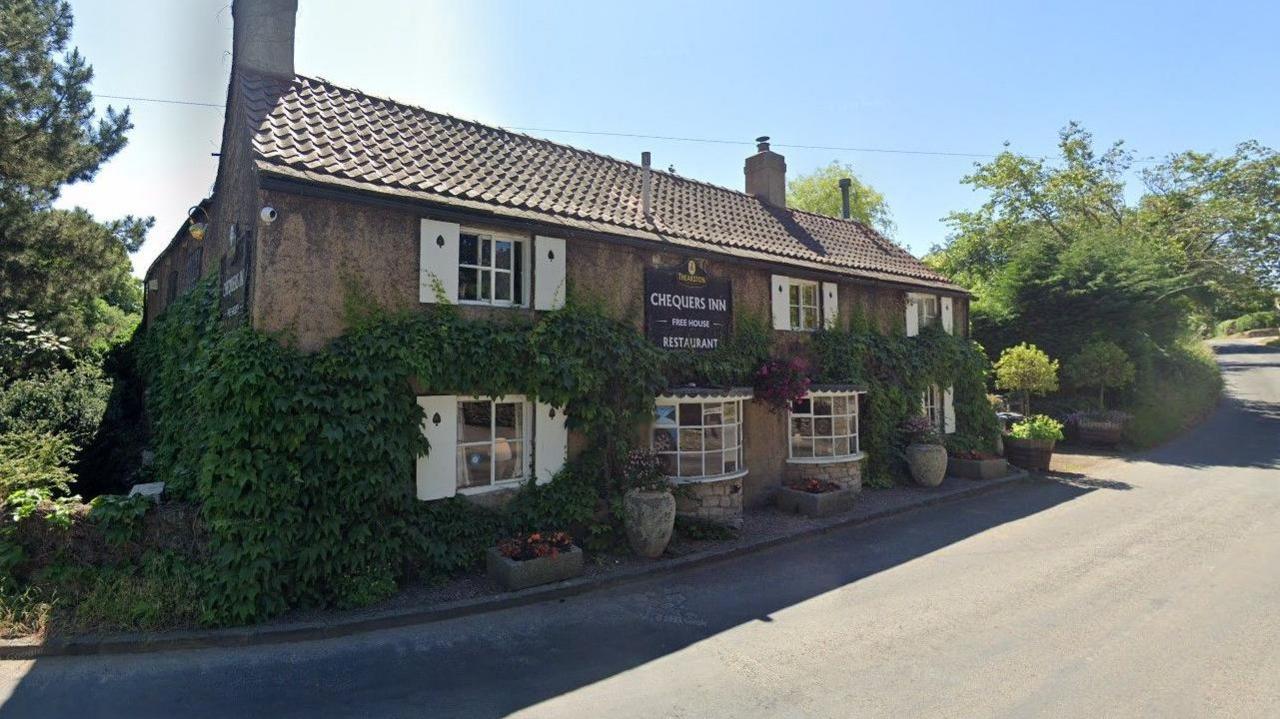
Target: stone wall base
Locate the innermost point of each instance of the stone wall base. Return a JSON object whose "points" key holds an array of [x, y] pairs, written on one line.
{"points": [[717, 501], [847, 473]]}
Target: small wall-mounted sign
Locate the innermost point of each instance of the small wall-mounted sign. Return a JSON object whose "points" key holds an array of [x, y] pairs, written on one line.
{"points": [[685, 309], [234, 273]]}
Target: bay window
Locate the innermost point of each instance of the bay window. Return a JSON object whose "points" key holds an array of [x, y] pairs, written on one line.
{"points": [[824, 425], [699, 437]]}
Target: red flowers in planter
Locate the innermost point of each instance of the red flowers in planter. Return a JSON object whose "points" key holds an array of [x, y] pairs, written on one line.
{"points": [[534, 545], [780, 383], [815, 486]]}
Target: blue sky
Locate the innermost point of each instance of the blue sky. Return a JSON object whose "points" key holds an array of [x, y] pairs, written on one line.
{"points": [[950, 77]]}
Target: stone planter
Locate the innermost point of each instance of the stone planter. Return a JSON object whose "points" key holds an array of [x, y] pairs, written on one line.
{"points": [[978, 468], [649, 517], [1032, 454], [928, 463], [513, 574], [1104, 433], [814, 504]]}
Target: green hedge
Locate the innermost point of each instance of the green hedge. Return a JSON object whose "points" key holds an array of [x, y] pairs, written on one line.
{"points": [[1264, 319]]}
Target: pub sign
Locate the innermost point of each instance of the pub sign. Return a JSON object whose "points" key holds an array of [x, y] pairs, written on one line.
{"points": [[684, 309]]}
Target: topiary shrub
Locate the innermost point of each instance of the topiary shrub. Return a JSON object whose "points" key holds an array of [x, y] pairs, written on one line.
{"points": [[1026, 370], [1101, 364]]}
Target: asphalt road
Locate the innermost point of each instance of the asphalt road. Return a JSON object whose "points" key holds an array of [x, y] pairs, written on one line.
{"points": [[1150, 588]]}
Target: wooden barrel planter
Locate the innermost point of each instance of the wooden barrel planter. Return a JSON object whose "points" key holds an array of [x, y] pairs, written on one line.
{"points": [[1031, 454]]}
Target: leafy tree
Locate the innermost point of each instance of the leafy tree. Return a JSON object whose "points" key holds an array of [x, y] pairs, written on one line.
{"points": [[1100, 364], [1026, 369], [1221, 215], [1206, 231], [819, 191], [70, 270]]}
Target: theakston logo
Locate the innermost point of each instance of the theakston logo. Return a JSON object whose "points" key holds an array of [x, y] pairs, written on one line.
{"points": [[692, 278]]}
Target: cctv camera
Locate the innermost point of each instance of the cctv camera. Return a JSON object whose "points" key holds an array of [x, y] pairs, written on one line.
{"points": [[268, 215]]}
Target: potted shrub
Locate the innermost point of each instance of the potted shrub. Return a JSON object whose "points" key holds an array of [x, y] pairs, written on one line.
{"points": [[1103, 365], [1026, 370], [527, 560], [814, 498], [972, 464], [1029, 443], [648, 508], [926, 456]]}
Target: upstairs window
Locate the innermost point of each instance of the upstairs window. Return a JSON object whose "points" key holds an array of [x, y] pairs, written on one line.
{"points": [[928, 311], [802, 304], [491, 269]]}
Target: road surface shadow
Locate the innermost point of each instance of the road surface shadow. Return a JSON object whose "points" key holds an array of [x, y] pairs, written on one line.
{"points": [[498, 663]]}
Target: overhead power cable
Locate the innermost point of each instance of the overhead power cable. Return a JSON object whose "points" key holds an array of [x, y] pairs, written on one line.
{"points": [[670, 138]]}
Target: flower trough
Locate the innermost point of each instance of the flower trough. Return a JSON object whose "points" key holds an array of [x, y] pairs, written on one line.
{"points": [[528, 560], [814, 498]]}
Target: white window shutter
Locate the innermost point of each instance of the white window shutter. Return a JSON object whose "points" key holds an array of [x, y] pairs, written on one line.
{"points": [[550, 441], [830, 304], [438, 260], [548, 273], [437, 472], [913, 316], [948, 320], [781, 302], [949, 410]]}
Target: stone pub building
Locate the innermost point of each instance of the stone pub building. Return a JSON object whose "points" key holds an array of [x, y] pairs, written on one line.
{"points": [[321, 186]]}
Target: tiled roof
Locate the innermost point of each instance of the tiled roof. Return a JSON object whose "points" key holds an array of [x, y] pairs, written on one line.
{"points": [[314, 130]]}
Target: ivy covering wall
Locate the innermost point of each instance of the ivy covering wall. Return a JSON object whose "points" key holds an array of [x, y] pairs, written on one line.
{"points": [[302, 464], [896, 370]]}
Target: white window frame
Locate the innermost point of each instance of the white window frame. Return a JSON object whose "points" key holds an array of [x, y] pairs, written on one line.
{"points": [[520, 248], [662, 426], [852, 413], [799, 305], [923, 304], [526, 439], [934, 411]]}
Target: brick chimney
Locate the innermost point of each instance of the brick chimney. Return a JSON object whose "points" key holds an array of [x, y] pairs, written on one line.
{"points": [[262, 35], [767, 174]]}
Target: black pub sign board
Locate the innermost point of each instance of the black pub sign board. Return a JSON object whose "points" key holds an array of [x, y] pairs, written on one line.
{"points": [[684, 309]]}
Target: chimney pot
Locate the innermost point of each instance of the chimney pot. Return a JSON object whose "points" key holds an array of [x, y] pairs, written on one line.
{"points": [[766, 173], [845, 211]]}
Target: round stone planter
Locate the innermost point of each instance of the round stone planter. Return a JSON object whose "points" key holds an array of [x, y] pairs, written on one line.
{"points": [[649, 517], [928, 463], [1032, 454]]}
